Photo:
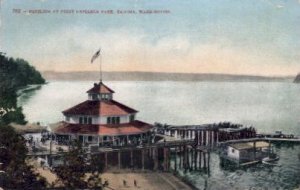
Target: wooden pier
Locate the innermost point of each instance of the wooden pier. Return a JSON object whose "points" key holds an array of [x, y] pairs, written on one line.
{"points": [[189, 149], [158, 157], [207, 135], [294, 140]]}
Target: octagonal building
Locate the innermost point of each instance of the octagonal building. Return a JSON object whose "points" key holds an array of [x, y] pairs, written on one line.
{"points": [[103, 121]]}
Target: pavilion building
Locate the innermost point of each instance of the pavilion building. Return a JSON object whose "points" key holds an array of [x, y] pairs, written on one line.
{"points": [[103, 121]]}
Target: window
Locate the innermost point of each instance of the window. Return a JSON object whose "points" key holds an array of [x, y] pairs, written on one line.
{"points": [[67, 118], [113, 120], [94, 96], [85, 120], [232, 150], [131, 118], [105, 96], [90, 138]]}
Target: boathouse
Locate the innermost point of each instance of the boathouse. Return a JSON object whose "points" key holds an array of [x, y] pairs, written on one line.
{"points": [[248, 151], [100, 120]]}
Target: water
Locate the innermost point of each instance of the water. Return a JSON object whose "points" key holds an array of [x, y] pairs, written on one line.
{"points": [[266, 106], [286, 175]]}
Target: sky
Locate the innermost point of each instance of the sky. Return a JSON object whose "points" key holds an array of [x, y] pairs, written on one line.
{"points": [[255, 37]]}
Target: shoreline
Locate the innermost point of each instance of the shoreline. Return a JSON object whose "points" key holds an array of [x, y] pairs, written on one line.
{"points": [[151, 180], [145, 180]]}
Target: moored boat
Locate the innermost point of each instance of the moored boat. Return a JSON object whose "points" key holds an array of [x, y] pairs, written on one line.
{"points": [[271, 160]]}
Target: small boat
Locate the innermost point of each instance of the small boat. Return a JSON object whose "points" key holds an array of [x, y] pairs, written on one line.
{"points": [[270, 160]]}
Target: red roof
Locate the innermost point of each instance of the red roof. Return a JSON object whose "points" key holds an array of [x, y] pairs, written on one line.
{"points": [[135, 127], [100, 88], [104, 108]]}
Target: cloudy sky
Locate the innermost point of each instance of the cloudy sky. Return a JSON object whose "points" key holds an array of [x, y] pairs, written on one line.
{"points": [[197, 36]]}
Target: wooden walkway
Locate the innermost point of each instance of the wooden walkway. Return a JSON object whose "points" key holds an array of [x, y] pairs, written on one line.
{"points": [[177, 143], [284, 139], [168, 144], [296, 140]]}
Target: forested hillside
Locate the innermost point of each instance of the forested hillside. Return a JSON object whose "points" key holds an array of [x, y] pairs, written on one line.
{"points": [[14, 74]]}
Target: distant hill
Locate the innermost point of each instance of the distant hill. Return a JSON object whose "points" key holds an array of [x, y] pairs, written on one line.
{"points": [[297, 79], [156, 76]]}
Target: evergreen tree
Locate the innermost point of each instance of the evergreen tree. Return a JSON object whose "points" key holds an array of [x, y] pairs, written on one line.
{"points": [[17, 174], [72, 174], [15, 74]]}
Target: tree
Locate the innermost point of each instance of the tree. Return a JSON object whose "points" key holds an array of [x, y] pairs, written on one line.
{"points": [[72, 174], [15, 74], [18, 175]]}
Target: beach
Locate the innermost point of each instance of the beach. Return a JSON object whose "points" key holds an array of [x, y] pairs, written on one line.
{"points": [[148, 180], [145, 181]]}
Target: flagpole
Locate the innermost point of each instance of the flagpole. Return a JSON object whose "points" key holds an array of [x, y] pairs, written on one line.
{"points": [[100, 60]]}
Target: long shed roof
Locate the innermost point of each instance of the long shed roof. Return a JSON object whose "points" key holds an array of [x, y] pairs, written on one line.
{"points": [[249, 145]]}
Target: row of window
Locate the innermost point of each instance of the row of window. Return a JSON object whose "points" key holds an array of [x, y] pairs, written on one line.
{"points": [[90, 138], [110, 120], [101, 96], [113, 120], [85, 120]]}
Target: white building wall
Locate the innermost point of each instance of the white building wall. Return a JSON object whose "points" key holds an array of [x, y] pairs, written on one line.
{"points": [[233, 153], [97, 119], [124, 119], [176, 134]]}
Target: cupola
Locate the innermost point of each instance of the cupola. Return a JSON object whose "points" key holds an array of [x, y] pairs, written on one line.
{"points": [[100, 92]]}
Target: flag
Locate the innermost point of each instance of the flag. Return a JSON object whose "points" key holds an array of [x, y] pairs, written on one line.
{"points": [[95, 56]]}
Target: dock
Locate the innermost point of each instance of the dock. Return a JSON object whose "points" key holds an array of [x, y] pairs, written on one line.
{"points": [[294, 140], [187, 147]]}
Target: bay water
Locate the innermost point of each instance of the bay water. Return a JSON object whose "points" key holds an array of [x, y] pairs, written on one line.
{"points": [[267, 106]]}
